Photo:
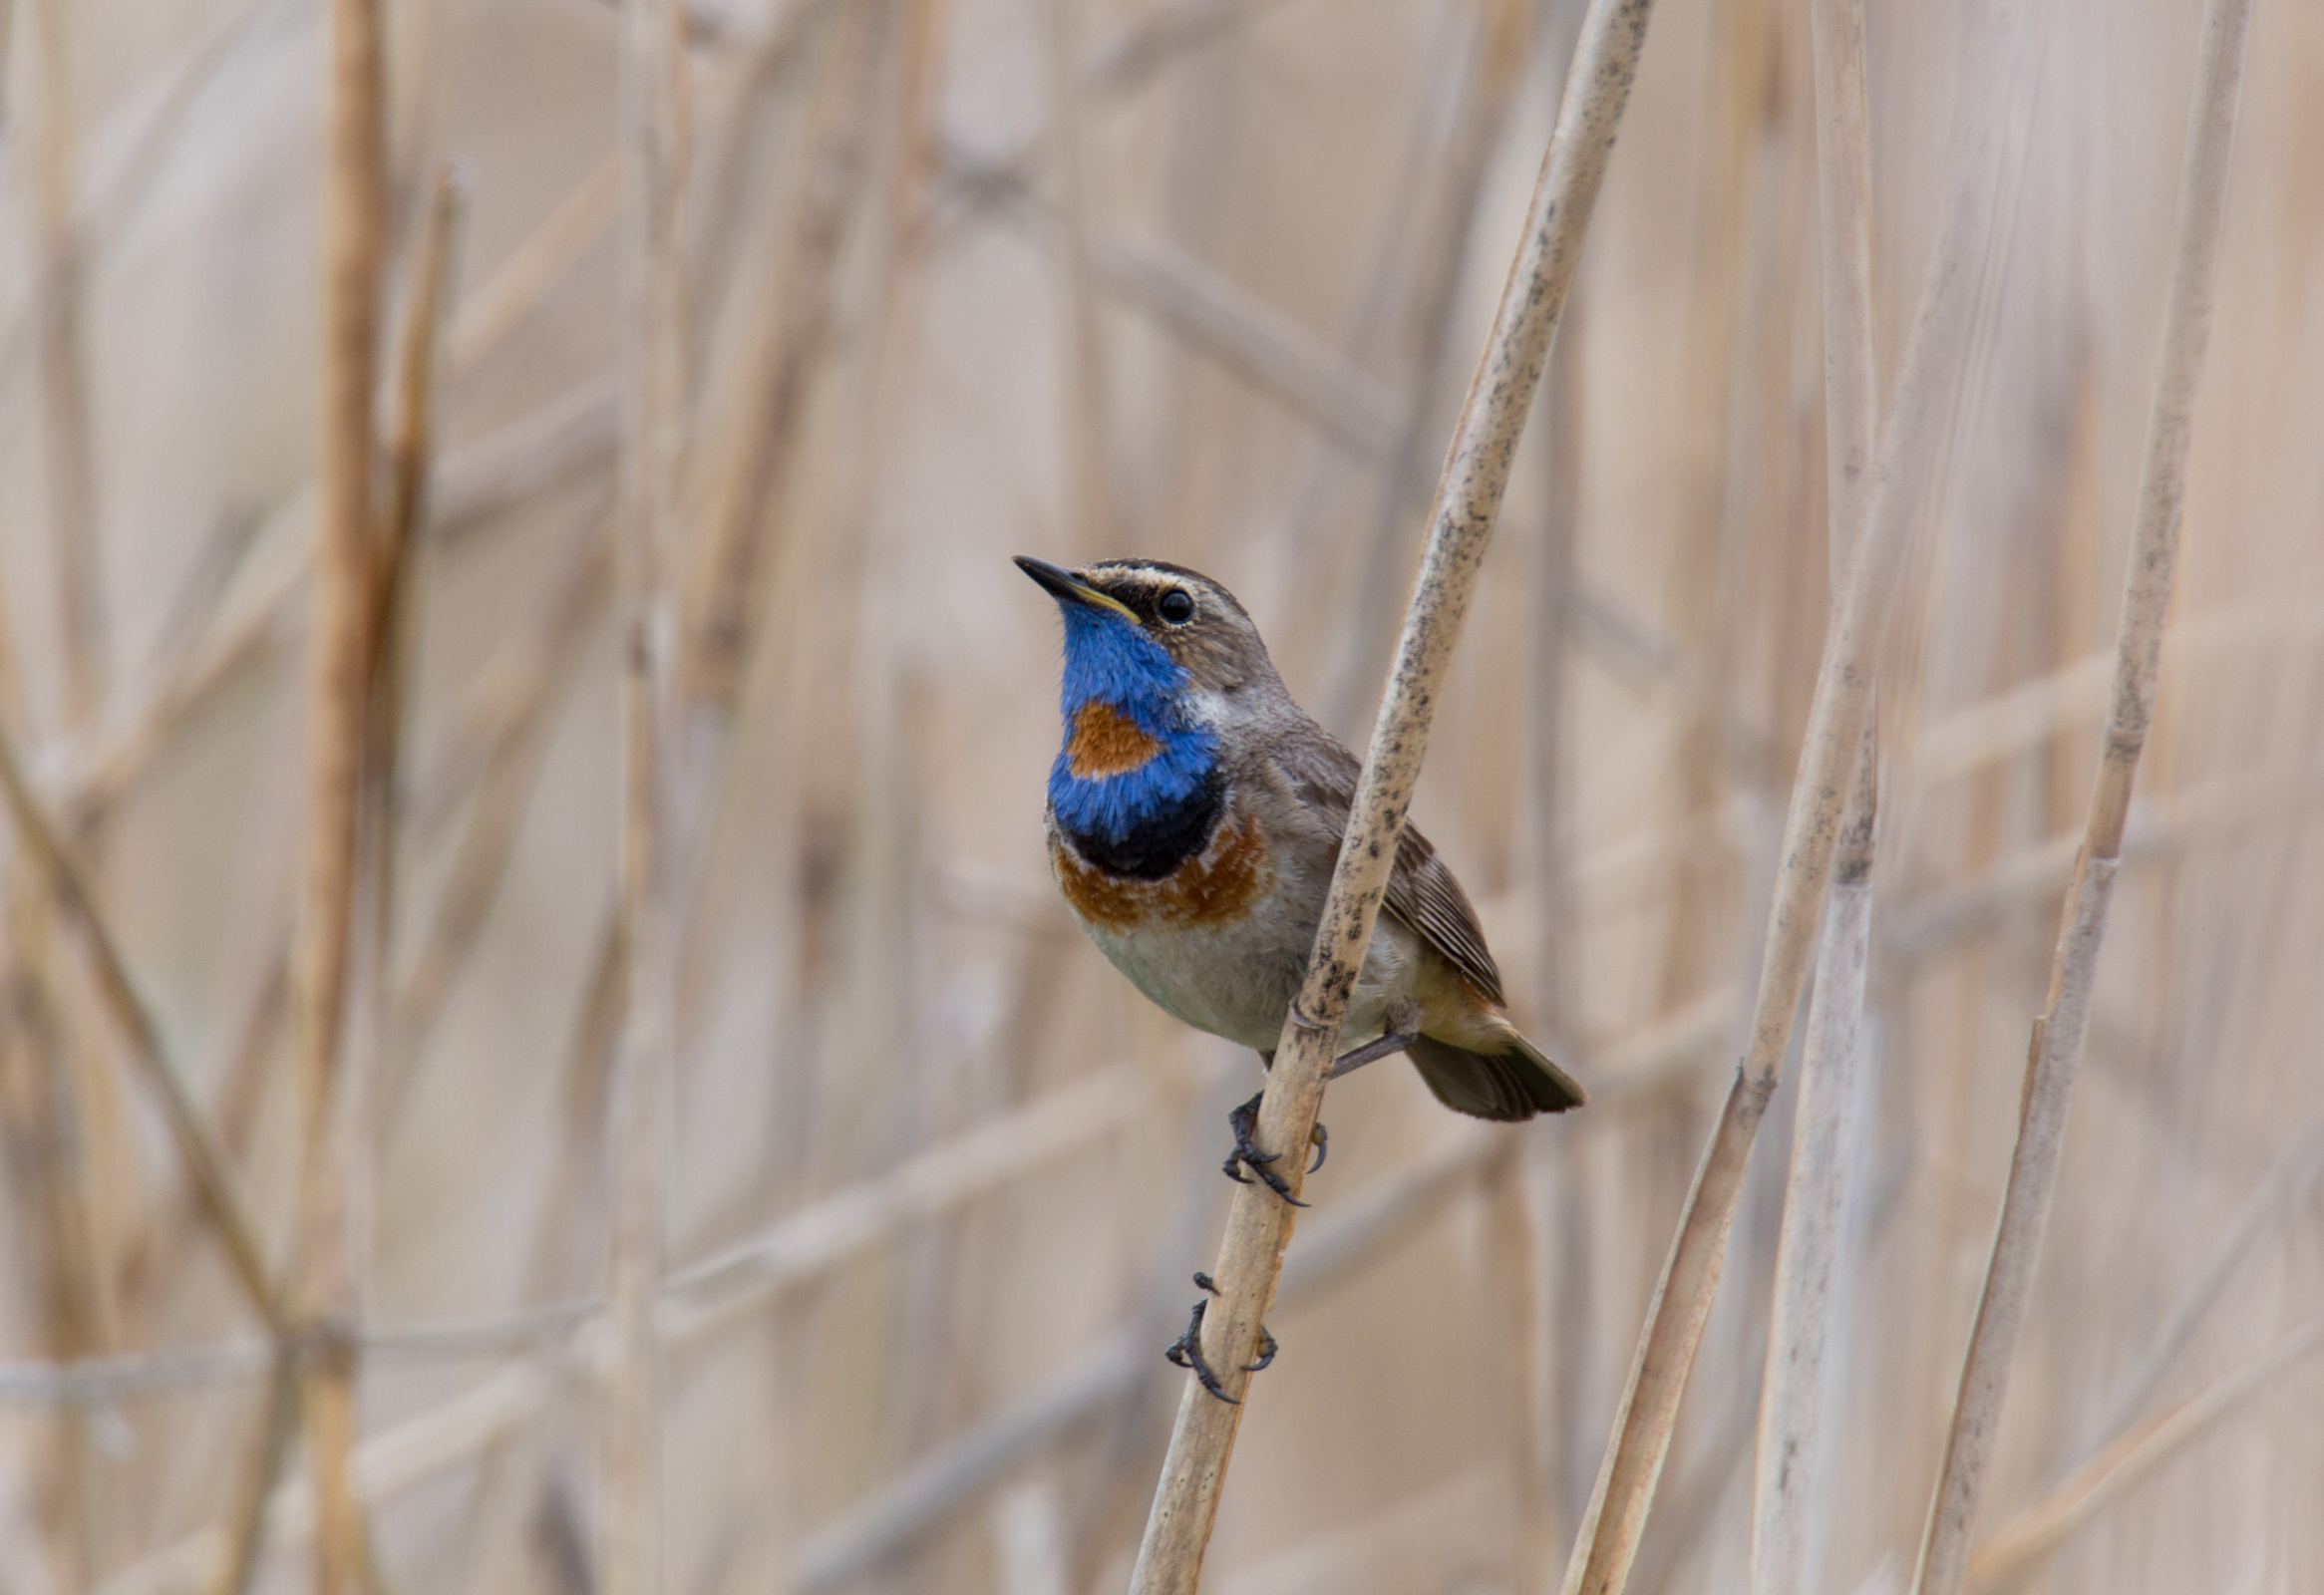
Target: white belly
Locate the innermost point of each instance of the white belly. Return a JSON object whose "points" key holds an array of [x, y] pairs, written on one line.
{"points": [[1238, 981]]}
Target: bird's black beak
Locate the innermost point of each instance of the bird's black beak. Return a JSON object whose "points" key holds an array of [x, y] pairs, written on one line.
{"points": [[1064, 586]]}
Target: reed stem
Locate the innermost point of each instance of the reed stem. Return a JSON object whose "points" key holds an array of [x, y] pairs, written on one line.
{"points": [[1250, 1260]]}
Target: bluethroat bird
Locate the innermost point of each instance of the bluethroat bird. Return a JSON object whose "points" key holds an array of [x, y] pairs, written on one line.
{"points": [[1194, 815]]}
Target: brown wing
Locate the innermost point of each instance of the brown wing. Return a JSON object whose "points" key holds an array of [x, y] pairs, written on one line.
{"points": [[1421, 890]]}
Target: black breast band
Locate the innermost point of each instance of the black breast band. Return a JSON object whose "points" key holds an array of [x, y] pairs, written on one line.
{"points": [[1162, 840]]}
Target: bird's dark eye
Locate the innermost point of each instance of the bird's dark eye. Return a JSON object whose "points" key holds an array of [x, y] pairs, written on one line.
{"points": [[1176, 606]]}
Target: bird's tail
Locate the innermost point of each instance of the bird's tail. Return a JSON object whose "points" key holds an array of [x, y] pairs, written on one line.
{"points": [[1511, 1085]]}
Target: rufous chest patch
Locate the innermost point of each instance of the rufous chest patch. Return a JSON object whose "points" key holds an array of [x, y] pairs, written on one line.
{"points": [[1106, 742], [1215, 888]]}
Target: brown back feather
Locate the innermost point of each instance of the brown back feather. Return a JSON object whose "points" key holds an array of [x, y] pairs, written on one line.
{"points": [[1420, 890]]}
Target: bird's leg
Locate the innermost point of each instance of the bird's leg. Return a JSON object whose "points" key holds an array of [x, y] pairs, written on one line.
{"points": [[1404, 1023], [1186, 1351], [1372, 1052]]}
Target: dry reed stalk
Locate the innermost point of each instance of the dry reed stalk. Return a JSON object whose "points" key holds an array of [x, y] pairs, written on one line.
{"points": [[1703, 554], [2165, 828], [2023, 716], [726, 583], [341, 643], [527, 273], [1788, 1502], [1828, 761], [66, 410], [2045, 1525], [43, 1098], [1254, 341], [1512, 1244], [804, 1248], [1784, 1549], [2056, 1045], [1356, 1232], [808, 1246], [388, 582], [80, 1135], [515, 751], [251, 1517], [1476, 472], [1500, 58], [2286, 1180], [48, 1154], [652, 475], [207, 1162], [1092, 511]]}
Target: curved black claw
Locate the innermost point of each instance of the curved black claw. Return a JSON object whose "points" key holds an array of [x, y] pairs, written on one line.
{"points": [[1247, 1154], [1322, 1140], [1186, 1352]]}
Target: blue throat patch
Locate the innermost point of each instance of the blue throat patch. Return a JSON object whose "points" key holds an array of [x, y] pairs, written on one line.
{"points": [[1109, 660]]}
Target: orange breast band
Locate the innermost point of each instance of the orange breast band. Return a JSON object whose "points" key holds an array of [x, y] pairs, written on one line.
{"points": [[1106, 742]]}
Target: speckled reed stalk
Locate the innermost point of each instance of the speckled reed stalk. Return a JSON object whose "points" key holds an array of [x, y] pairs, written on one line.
{"points": [[1828, 761], [1477, 469], [2056, 1047], [653, 153], [1784, 1481]]}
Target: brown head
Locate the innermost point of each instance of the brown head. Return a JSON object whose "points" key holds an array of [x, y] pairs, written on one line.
{"points": [[1193, 619]]}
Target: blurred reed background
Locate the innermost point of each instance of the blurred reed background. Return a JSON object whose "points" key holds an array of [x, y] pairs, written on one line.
{"points": [[1199, 279]]}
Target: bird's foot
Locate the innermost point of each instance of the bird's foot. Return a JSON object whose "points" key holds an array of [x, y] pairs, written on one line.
{"points": [[1186, 1351], [1404, 1029], [1246, 1122]]}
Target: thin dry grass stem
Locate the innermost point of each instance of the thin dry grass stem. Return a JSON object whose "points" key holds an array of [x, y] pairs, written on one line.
{"points": [[44, 1109], [394, 584], [2057, 1041], [1500, 58], [1514, 1250], [1359, 1230], [1830, 759], [696, 1304], [811, 1245], [72, 1124], [341, 655], [1468, 501], [527, 274], [1785, 1499], [1091, 512], [206, 1161], [1258, 344], [515, 749], [652, 472], [66, 411], [726, 584], [2026, 714], [2165, 828], [2045, 1525], [2276, 1194], [270, 1454]]}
